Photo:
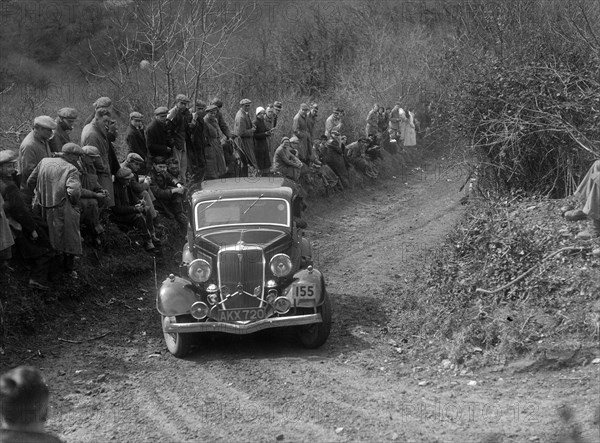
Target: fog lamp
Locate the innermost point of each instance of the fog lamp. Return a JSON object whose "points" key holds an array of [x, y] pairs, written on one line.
{"points": [[271, 284], [282, 305], [199, 310], [212, 288], [281, 265]]}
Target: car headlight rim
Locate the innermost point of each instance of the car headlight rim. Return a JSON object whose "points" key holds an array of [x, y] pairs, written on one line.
{"points": [[281, 265], [199, 270]]}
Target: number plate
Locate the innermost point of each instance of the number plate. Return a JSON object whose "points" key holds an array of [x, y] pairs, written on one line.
{"points": [[304, 292], [246, 314]]}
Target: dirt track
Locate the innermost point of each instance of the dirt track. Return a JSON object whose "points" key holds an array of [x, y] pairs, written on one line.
{"points": [[360, 386]]}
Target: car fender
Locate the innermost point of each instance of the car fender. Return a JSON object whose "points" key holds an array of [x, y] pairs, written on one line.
{"points": [[305, 277], [175, 296]]}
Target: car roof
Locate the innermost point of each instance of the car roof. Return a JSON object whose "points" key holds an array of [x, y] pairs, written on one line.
{"points": [[245, 187]]}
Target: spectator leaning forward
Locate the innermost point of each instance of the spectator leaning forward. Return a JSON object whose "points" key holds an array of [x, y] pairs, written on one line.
{"points": [[24, 407]]}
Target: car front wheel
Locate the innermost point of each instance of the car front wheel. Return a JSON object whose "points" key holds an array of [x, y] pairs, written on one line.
{"points": [[178, 344], [313, 336]]}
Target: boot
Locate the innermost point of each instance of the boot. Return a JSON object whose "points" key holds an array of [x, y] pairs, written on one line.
{"points": [[593, 230]]}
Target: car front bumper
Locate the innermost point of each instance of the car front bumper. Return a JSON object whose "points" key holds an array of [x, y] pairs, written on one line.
{"points": [[239, 328]]}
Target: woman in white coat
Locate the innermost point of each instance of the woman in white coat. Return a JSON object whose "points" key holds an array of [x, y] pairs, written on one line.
{"points": [[410, 135]]}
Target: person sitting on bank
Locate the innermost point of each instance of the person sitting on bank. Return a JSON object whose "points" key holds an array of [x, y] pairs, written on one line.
{"points": [[285, 162], [24, 407], [131, 211], [168, 192]]}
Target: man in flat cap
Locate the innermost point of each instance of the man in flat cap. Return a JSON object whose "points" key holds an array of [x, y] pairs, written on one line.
{"points": [[101, 102], [334, 122], [244, 129], [57, 188], [300, 130], [136, 139], [140, 185], [311, 122], [180, 119], [93, 196], [158, 137], [29, 231], [168, 193], [34, 148], [334, 158], [130, 210], [277, 107], [196, 151], [220, 119], [64, 125], [96, 134]]}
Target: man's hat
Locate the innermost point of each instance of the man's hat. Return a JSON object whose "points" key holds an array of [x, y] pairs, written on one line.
{"points": [[8, 156], [277, 105], [294, 139], [245, 101], [135, 115], [70, 113], [338, 110], [133, 157], [314, 106], [72, 148], [182, 98], [334, 132], [45, 122], [304, 106], [124, 173], [161, 110], [259, 110], [217, 102], [284, 139], [103, 102], [211, 108], [159, 160], [200, 104], [91, 151]]}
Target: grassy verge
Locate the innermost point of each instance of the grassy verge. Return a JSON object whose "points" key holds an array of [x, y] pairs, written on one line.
{"points": [[554, 307]]}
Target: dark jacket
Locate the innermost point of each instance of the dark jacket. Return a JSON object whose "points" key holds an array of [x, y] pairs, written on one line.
{"points": [[158, 139], [125, 199], [136, 141]]}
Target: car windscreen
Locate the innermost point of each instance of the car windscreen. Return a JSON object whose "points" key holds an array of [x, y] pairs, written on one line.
{"points": [[242, 211]]}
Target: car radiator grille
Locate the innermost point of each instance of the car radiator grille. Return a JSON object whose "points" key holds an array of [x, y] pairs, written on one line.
{"points": [[241, 266]]}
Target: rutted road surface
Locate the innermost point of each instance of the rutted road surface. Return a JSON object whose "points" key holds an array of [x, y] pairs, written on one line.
{"points": [[359, 386]]}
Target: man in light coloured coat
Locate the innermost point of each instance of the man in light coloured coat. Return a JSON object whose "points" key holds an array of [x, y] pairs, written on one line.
{"points": [[34, 148], [244, 129], [95, 134], [300, 130], [57, 187]]}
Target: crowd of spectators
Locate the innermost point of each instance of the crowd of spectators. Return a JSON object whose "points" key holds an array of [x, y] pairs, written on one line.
{"points": [[56, 193]]}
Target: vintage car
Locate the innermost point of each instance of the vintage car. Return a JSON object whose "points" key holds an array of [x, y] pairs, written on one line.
{"points": [[246, 267]]}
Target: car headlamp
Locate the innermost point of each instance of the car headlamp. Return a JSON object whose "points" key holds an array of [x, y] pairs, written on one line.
{"points": [[199, 270], [281, 265]]}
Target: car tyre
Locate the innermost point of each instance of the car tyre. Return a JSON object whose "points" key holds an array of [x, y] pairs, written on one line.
{"points": [[313, 336], [179, 344]]}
